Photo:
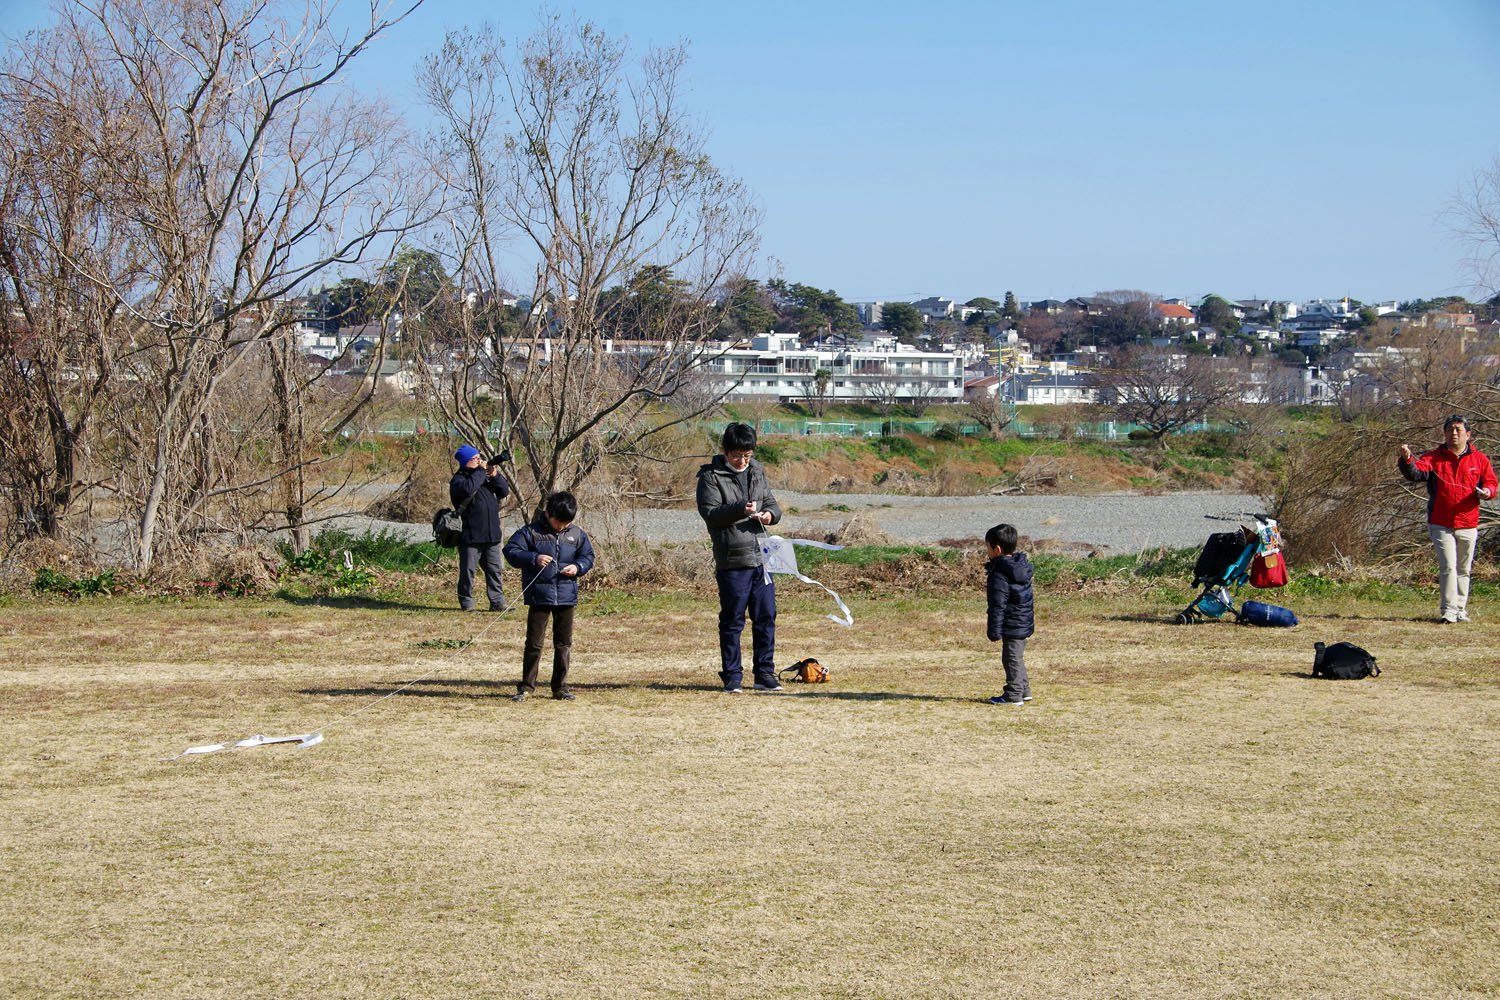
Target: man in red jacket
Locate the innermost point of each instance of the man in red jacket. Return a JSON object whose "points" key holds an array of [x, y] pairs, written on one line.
{"points": [[1458, 476]]}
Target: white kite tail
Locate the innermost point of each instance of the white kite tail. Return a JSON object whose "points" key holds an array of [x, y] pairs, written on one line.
{"points": [[778, 556]]}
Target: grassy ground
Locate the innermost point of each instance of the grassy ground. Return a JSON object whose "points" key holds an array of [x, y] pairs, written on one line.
{"points": [[1182, 812]]}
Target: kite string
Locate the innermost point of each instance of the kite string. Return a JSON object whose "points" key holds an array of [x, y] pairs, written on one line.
{"points": [[437, 666], [416, 680]]}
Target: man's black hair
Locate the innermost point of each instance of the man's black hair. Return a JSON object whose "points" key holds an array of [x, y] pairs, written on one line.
{"points": [[563, 506], [1455, 418], [1004, 537], [739, 437]]}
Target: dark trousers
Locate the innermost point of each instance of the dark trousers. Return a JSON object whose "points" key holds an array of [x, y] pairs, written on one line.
{"points": [[1013, 656], [472, 557], [562, 645], [741, 591]]}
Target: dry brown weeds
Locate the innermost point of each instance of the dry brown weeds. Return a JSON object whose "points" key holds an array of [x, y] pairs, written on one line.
{"points": [[1180, 813]]}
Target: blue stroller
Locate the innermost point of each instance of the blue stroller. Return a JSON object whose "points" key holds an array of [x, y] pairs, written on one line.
{"points": [[1224, 566]]}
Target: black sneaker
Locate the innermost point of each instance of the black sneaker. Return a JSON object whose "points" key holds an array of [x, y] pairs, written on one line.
{"points": [[999, 699], [518, 696], [734, 689], [564, 696], [772, 685]]}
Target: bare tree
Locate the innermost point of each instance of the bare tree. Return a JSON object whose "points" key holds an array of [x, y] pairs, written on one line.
{"points": [[883, 391], [816, 391], [629, 232], [923, 393], [1475, 217], [1163, 393], [60, 332], [240, 171], [992, 411]]}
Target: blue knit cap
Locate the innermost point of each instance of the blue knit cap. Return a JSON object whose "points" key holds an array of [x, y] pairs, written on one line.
{"points": [[462, 455]]}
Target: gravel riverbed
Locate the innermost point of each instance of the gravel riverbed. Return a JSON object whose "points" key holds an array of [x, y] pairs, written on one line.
{"points": [[1113, 524]]}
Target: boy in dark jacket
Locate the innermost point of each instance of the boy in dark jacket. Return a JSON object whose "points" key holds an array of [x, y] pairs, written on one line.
{"points": [[476, 490], [1008, 586], [735, 502], [552, 553]]}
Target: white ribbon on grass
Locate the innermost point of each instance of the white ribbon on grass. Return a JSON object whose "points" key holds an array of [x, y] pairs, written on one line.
{"points": [[777, 555], [302, 740]]}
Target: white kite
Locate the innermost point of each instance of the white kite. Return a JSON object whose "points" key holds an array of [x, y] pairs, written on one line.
{"points": [[777, 555], [302, 740]]}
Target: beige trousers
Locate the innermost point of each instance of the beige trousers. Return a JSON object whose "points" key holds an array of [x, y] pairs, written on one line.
{"points": [[1455, 554]]}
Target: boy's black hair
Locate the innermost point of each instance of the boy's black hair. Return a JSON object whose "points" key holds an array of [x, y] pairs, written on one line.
{"points": [[1004, 537], [739, 437], [563, 506]]}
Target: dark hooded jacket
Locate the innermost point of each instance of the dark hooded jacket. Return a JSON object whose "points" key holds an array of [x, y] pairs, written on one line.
{"points": [[722, 495], [1008, 585], [545, 585], [482, 515]]}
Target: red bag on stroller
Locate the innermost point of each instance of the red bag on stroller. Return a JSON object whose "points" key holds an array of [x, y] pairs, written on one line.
{"points": [[1268, 568]]}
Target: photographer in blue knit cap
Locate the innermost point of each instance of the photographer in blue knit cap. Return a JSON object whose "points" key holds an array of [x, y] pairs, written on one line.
{"points": [[476, 490]]}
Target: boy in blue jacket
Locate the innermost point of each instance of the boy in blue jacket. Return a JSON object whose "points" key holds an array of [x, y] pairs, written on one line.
{"points": [[552, 553], [1008, 587]]}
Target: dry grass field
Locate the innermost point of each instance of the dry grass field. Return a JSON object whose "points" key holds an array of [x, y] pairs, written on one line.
{"points": [[1182, 812]]}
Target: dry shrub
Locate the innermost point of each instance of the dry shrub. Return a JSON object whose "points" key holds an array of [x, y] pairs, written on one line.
{"points": [[1054, 547], [821, 474], [236, 570], [18, 568], [422, 492], [956, 479], [659, 567], [861, 529], [899, 480], [1074, 473], [1341, 498]]}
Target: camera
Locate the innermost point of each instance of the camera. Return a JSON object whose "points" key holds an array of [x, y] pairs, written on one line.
{"points": [[502, 458]]}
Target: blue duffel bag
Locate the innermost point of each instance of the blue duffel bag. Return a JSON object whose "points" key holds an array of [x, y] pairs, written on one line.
{"points": [[1256, 613]]}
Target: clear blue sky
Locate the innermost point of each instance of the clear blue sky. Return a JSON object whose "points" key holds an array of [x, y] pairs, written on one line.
{"points": [[1286, 149]]}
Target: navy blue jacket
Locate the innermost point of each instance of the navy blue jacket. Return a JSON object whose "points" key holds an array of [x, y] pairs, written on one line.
{"points": [[1008, 585], [544, 585], [482, 515]]}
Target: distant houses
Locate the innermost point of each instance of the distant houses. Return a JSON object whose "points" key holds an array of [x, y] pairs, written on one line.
{"points": [[985, 356]]}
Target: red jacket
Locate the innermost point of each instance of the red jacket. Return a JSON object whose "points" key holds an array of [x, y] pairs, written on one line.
{"points": [[1450, 479]]}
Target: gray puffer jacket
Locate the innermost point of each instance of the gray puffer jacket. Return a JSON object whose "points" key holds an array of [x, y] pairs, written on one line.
{"points": [[722, 495]]}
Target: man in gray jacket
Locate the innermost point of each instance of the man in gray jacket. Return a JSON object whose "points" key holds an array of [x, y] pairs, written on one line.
{"points": [[735, 501]]}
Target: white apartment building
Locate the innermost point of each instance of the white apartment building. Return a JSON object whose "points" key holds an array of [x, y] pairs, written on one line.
{"points": [[777, 366]]}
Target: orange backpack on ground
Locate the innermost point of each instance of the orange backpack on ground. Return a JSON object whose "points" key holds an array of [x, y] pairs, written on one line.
{"points": [[809, 671]]}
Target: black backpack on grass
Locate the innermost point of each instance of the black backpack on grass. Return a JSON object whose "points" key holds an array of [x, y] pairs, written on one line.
{"points": [[1343, 661]]}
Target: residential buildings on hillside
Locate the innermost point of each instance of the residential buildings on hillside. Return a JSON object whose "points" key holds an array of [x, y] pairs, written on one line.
{"points": [[876, 368]]}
